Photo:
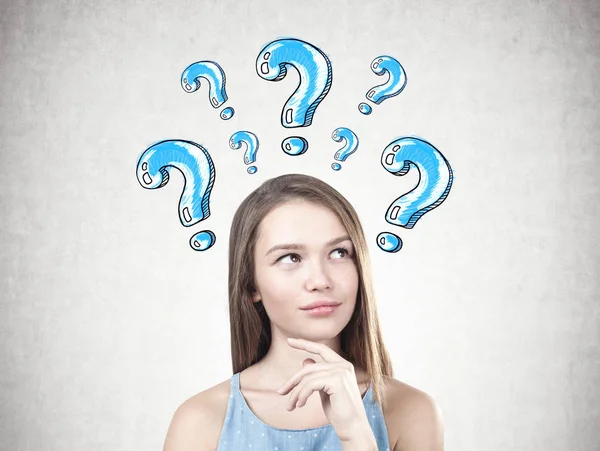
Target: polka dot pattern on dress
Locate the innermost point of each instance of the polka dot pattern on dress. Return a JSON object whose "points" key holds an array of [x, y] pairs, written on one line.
{"points": [[243, 429]]}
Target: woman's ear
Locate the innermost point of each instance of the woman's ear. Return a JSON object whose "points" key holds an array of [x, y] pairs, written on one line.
{"points": [[256, 296]]}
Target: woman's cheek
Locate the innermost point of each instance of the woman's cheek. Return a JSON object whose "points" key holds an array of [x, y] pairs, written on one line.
{"points": [[282, 288], [346, 269]]}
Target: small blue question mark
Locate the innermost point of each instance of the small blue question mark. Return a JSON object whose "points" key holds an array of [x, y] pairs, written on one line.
{"points": [[397, 81], [196, 166], [314, 69], [251, 141], [435, 181], [215, 76], [344, 134]]}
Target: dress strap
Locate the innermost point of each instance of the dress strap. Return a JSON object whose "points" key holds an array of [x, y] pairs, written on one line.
{"points": [[235, 383]]}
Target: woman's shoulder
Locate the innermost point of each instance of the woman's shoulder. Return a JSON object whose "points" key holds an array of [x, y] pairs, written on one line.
{"points": [[414, 416], [197, 422]]}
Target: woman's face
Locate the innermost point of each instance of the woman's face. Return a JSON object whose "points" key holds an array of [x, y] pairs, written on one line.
{"points": [[303, 254]]}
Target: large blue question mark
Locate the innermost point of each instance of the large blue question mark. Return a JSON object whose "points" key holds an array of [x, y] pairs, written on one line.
{"points": [[435, 181], [196, 166], [314, 69]]}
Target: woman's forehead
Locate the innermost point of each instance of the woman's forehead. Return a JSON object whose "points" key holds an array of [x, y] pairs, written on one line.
{"points": [[300, 223]]}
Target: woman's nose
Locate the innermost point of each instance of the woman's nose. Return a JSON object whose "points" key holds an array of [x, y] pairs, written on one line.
{"points": [[317, 278]]}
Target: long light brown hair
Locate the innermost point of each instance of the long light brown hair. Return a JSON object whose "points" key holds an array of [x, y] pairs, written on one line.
{"points": [[360, 340]]}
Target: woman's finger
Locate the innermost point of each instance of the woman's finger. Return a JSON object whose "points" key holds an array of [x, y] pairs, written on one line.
{"points": [[326, 353], [307, 369], [317, 381]]}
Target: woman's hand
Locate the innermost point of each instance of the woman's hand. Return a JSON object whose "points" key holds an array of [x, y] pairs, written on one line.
{"points": [[336, 383]]}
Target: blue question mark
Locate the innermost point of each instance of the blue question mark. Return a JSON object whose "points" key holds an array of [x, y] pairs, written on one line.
{"points": [[435, 181], [314, 69], [196, 166], [397, 81], [251, 141], [215, 76], [351, 144]]}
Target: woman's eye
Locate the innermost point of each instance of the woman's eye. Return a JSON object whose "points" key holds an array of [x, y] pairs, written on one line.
{"points": [[295, 257], [344, 251], [288, 255]]}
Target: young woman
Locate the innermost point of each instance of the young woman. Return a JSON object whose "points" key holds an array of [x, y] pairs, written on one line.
{"points": [[296, 243]]}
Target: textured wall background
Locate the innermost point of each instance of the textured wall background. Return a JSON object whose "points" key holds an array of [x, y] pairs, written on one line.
{"points": [[109, 320]]}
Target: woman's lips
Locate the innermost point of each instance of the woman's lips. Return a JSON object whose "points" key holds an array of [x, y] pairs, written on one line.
{"points": [[322, 311]]}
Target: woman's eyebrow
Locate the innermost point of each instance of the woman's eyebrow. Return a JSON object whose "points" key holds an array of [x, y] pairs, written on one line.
{"points": [[301, 246]]}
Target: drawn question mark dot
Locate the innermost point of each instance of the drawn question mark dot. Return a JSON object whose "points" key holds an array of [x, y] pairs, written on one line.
{"points": [[385, 65], [315, 73], [196, 166], [365, 108], [202, 241], [252, 144], [294, 145], [214, 75], [435, 180], [389, 242], [227, 113], [351, 144]]}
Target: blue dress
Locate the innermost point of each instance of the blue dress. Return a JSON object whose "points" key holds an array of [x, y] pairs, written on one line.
{"points": [[243, 430]]}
